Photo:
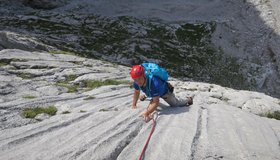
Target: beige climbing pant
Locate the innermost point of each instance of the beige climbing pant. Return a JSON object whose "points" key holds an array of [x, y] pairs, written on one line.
{"points": [[173, 101]]}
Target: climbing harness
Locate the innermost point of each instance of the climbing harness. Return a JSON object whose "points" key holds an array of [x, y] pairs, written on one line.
{"points": [[155, 116]]}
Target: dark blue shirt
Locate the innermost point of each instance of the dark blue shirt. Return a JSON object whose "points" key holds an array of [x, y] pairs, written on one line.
{"points": [[157, 87]]}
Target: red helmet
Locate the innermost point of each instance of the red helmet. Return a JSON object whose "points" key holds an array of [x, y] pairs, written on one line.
{"points": [[137, 71]]}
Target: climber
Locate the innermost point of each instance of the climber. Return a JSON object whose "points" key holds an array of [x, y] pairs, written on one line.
{"points": [[155, 88]]}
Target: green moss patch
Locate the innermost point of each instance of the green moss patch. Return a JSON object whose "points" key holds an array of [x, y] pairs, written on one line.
{"points": [[33, 112], [91, 84]]}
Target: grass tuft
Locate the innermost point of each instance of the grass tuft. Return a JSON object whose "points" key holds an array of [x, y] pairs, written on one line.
{"points": [[33, 112], [25, 75], [66, 112], [61, 52], [3, 64], [225, 99], [191, 89], [71, 88], [89, 84], [274, 115], [29, 97], [65, 83], [89, 98], [103, 110], [70, 77]]}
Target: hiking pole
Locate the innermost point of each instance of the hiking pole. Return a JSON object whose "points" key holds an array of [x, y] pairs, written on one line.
{"points": [[155, 116]]}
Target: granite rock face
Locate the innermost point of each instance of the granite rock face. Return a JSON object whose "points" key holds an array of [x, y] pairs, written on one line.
{"points": [[129, 32], [11, 40], [222, 123]]}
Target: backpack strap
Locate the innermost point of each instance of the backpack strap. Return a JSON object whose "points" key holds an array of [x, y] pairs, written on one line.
{"points": [[149, 76], [149, 79], [149, 87]]}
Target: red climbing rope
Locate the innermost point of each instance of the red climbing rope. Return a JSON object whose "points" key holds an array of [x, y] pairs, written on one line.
{"points": [[151, 133]]}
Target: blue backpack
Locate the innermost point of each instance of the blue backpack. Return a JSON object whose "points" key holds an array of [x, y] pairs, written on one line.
{"points": [[152, 69]]}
